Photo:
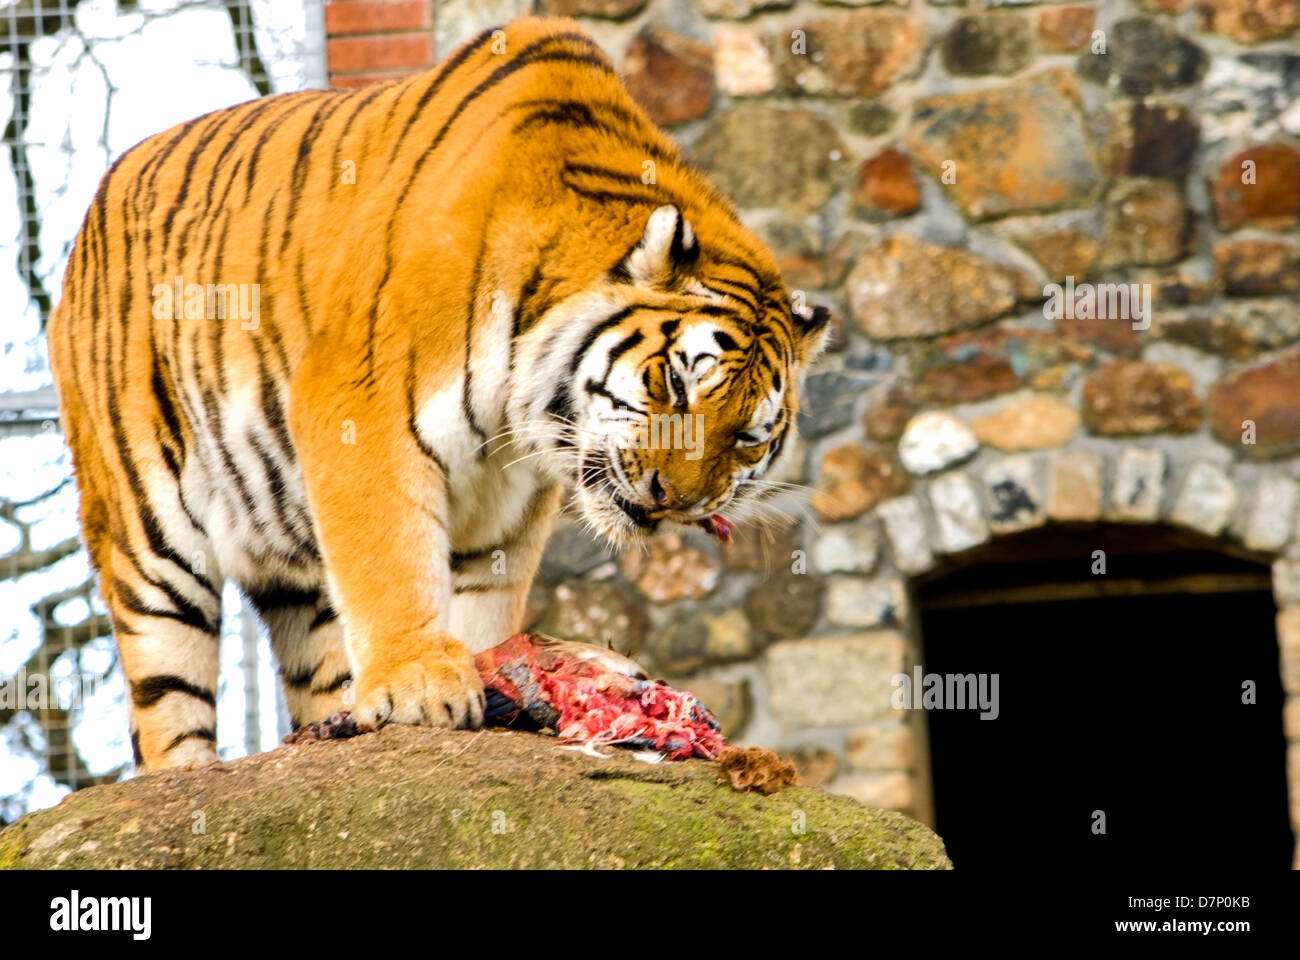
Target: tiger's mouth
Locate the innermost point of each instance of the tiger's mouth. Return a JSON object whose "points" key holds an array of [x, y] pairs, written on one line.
{"points": [[635, 512]]}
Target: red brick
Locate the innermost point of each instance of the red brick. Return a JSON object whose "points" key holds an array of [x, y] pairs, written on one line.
{"points": [[355, 54], [376, 16]]}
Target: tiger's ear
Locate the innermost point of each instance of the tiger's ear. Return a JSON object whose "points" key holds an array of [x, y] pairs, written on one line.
{"points": [[812, 330], [666, 249]]}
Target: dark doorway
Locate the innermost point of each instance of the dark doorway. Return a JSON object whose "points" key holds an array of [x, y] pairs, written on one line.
{"points": [[1119, 692]]}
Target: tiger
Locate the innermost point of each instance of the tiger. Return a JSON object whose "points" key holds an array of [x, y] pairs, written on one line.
{"points": [[350, 349]]}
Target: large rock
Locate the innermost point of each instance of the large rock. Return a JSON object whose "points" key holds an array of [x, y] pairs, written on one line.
{"points": [[416, 798], [904, 288], [1127, 397], [991, 43], [1259, 187], [1249, 21], [850, 54], [975, 366], [670, 75], [1012, 149], [1268, 396], [1144, 56], [760, 156]]}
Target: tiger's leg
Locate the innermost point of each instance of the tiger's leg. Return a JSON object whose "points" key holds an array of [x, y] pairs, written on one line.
{"points": [[167, 619], [490, 586], [307, 639], [379, 502]]}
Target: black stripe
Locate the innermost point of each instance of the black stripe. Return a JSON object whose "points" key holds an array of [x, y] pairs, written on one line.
{"points": [[184, 612], [333, 686], [149, 691], [135, 748], [323, 616], [276, 596], [411, 425], [201, 733]]}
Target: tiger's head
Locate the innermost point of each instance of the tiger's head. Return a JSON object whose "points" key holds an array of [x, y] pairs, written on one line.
{"points": [[675, 385]]}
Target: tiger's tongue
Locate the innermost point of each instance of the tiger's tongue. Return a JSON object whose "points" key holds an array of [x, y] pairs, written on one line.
{"points": [[717, 526]]}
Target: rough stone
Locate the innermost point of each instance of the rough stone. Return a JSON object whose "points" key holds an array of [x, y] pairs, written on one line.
{"points": [[1062, 253], [1074, 486], [1250, 96], [992, 43], [862, 602], [1288, 639], [853, 480], [1031, 421], [901, 287], [783, 603], [671, 76], [1254, 268], [1112, 334], [889, 406], [909, 541], [742, 63], [1207, 499], [1237, 331], [882, 746], [1164, 6], [834, 681], [1139, 484], [976, 366], [755, 548], [959, 521], [1065, 29], [1272, 518], [828, 401], [813, 766], [1013, 494], [407, 797], [935, 440], [731, 704], [887, 791], [1259, 187], [597, 613], [1151, 140], [459, 21], [886, 185], [739, 9], [1249, 21], [850, 54], [1144, 56], [798, 251], [1128, 397], [608, 9], [1268, 396], [761, 156], [700, 639], [1286, 582], [1145, 222], [846, 549], [670, 570], [570, 552], [1014, 149], [871, 118]]}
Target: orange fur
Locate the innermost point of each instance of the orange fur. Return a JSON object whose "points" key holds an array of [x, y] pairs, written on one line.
{"points": [[351, 459]]}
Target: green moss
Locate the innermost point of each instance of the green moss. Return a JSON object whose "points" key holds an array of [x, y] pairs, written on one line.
{"points": [[419, 798]]}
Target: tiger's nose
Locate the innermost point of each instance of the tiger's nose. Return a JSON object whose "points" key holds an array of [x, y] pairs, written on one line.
{"points": [[662, 491]]}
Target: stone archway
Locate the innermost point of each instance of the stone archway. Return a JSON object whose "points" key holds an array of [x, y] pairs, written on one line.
{"points": [[1248, 510]]}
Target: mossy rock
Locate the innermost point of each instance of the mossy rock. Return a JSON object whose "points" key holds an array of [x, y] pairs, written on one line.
{"points": [[409, 797]]}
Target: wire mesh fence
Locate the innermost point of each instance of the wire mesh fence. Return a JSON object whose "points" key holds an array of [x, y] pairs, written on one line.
{"points": [[80, 82]]}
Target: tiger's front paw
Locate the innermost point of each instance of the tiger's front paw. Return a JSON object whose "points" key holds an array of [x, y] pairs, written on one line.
{"points": [[437, 689]]}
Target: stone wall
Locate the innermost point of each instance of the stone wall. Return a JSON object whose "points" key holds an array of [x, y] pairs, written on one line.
{"points": [[928, 168]]}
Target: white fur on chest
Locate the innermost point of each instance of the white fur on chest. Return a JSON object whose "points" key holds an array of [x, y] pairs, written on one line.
{"points": [[487, 493]]}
